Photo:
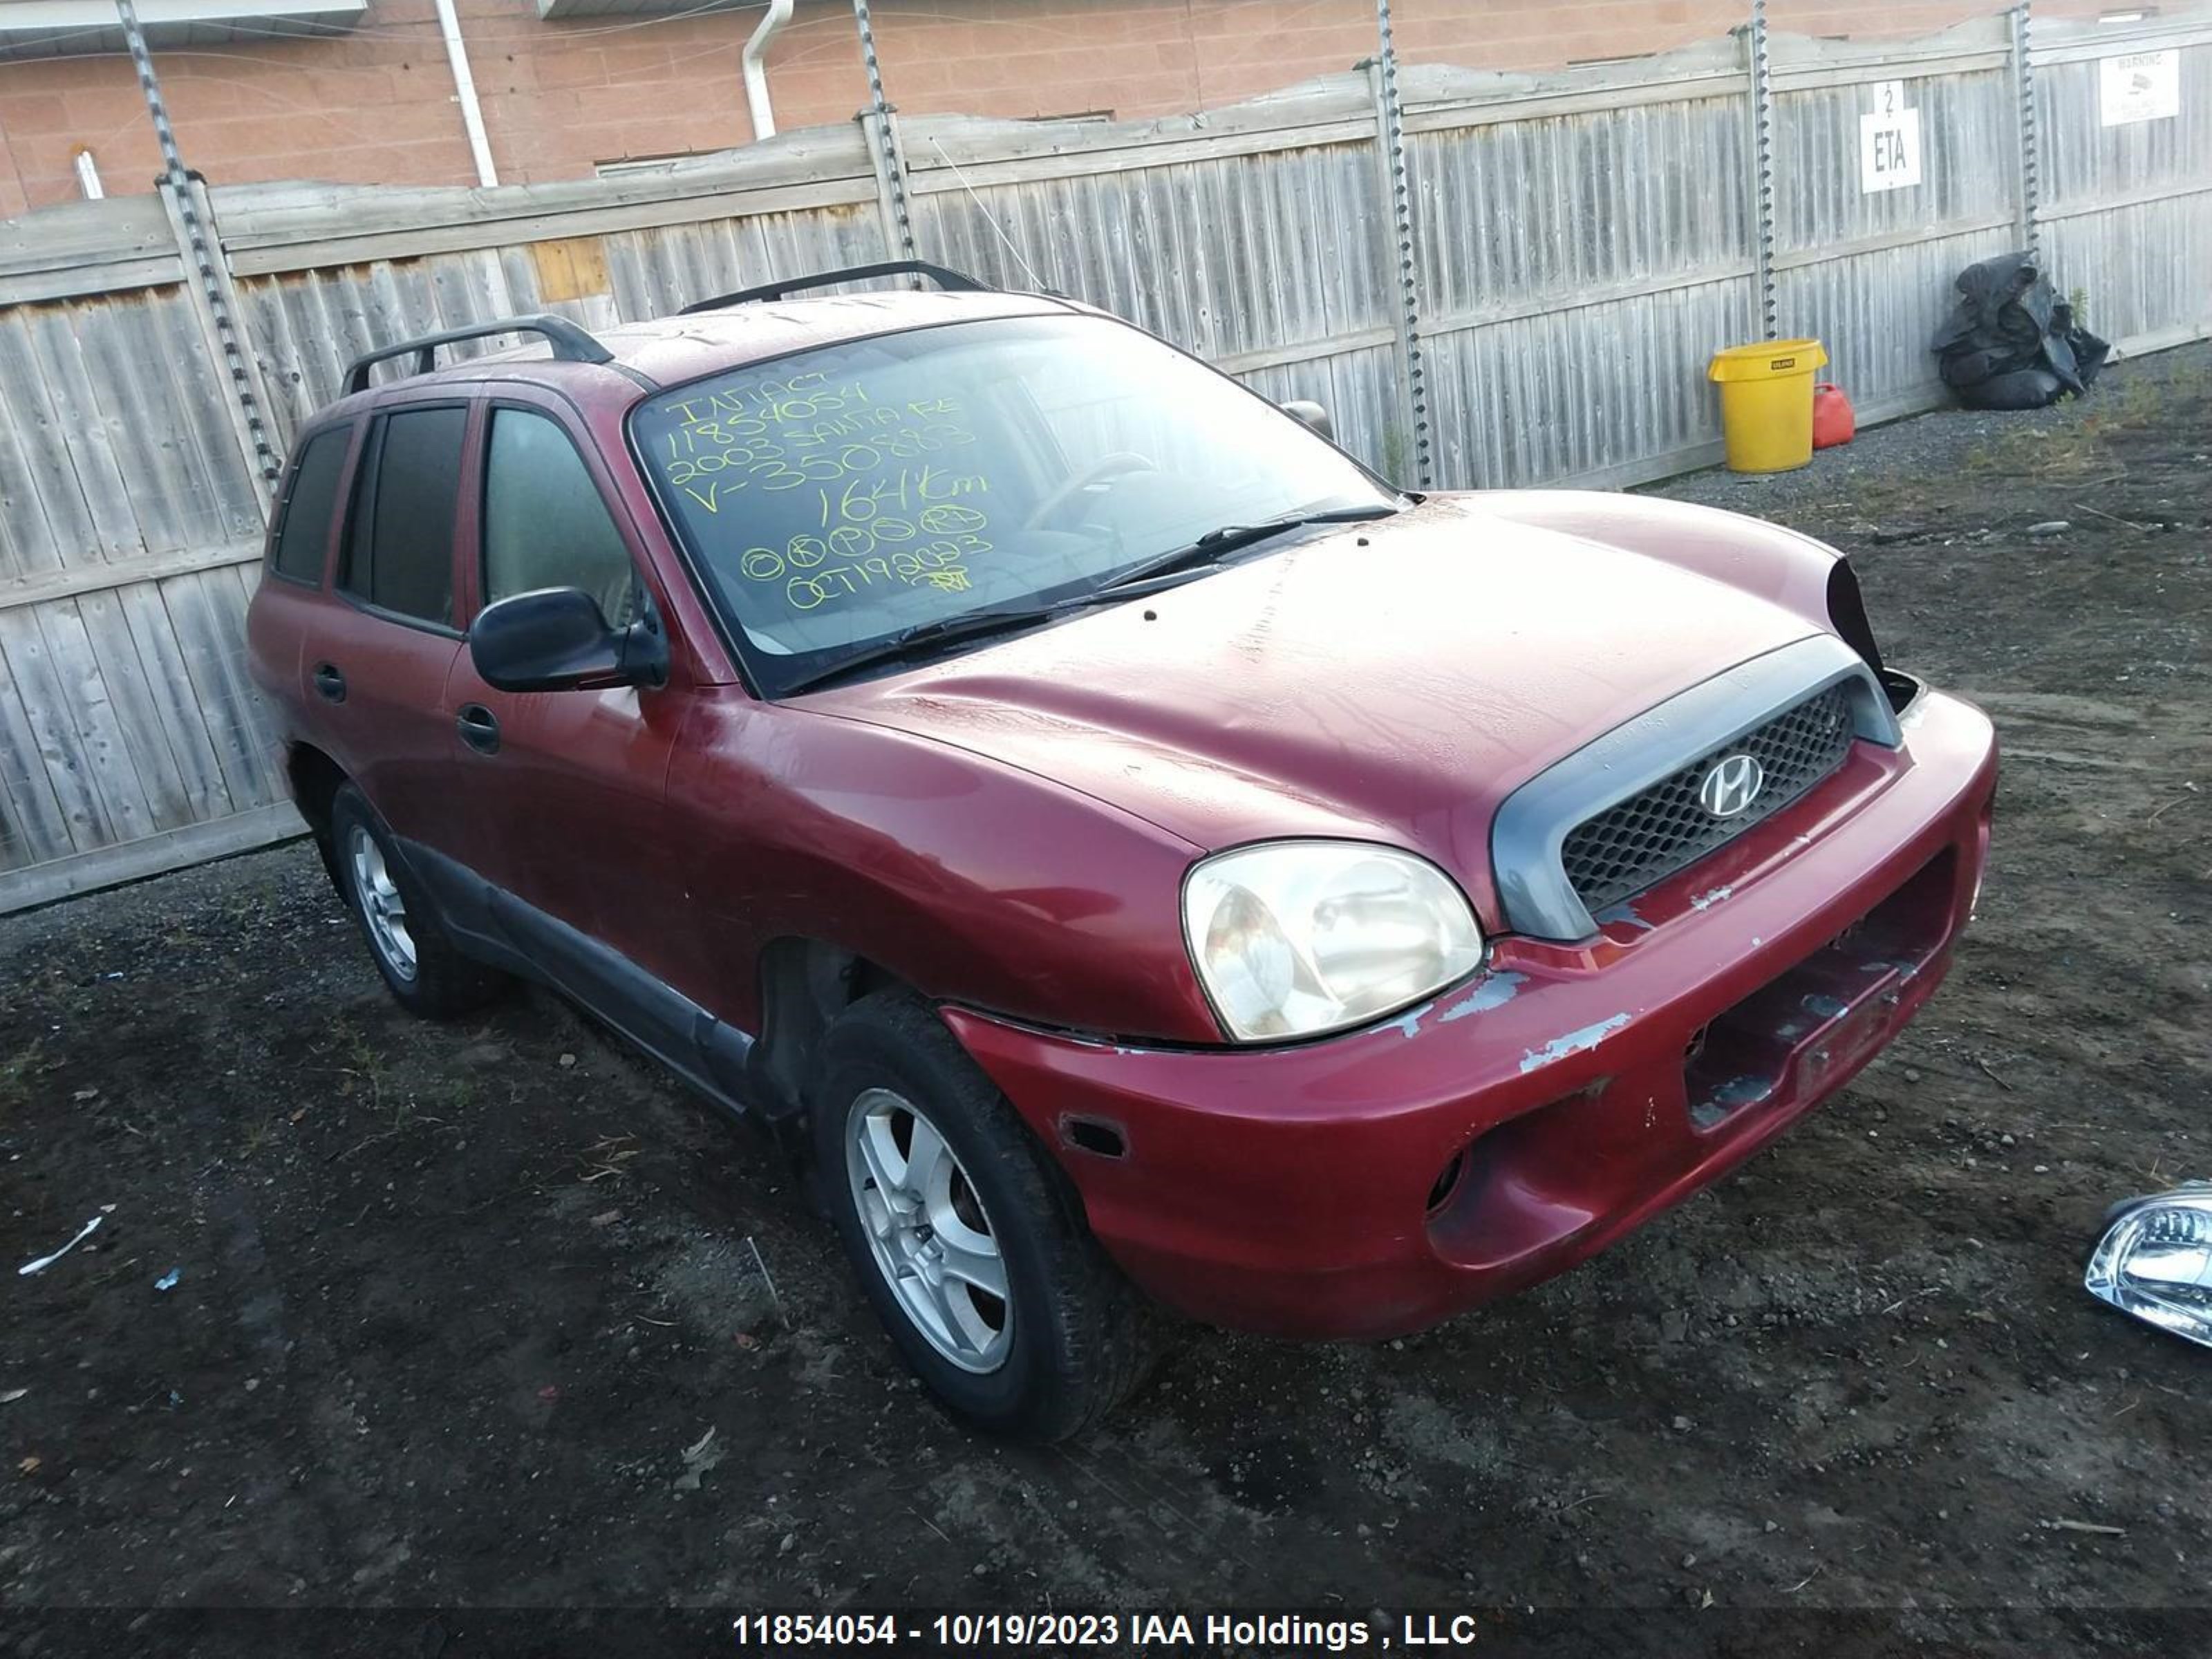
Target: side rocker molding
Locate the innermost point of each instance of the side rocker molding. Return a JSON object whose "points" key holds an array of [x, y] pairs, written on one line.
{"points": [[709, 1054]]}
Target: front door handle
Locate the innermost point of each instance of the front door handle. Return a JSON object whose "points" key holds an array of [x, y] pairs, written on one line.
{"points": [[479, 728], [329, 683]]}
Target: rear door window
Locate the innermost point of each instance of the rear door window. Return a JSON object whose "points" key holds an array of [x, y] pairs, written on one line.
{"points": [[399, 548], [545, 524], [303, 535]]}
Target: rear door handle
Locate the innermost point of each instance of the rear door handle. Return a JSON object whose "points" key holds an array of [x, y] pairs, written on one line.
{"points": [[330, 682], [479, 728]]}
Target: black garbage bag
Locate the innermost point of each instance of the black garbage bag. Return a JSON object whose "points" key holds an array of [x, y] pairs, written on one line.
{"points": [[2011, 343]]}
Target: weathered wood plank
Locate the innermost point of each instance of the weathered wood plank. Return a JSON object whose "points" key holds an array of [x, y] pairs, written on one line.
{"points": [[124, 357], [86, 431], [326, 330], [186, 480], [286, 228], [63, 584], [36, 828], [29, 545], [105, 246], [200, 386], [53, 731], [182, 720], [55, 495], [195, 603], [146, 750], [265, 328], [108, 762], [2075, 40], [174, 849]]}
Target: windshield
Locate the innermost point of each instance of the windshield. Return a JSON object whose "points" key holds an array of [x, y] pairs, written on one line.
{"points": [[838, 497]]}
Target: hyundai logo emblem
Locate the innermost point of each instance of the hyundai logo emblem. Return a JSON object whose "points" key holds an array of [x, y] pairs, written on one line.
{"points": [[1732, 785]]}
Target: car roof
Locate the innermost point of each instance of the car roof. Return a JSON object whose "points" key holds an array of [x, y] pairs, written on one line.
{"points": [[669, 350]]}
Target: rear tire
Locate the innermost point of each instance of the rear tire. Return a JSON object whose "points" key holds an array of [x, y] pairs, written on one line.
{"points": [[970, 1242], [426, 972]]}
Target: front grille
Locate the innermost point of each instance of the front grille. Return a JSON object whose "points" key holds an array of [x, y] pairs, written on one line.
{"points": [[1648, 836]]}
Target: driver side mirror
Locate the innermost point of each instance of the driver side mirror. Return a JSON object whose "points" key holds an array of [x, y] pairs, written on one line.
{"points": [[557, 640], [1313, 415]]}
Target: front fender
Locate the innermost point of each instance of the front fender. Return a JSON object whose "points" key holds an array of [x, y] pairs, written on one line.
{"points": [[973, 881], [1775, 562]]}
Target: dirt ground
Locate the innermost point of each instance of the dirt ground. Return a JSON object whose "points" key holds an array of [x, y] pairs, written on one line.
{"points": [[472, 1316]]}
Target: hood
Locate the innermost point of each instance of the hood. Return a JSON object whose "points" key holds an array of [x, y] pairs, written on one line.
{"points": [[1391, 681]]}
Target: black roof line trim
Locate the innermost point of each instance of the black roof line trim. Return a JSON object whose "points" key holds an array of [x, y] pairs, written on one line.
{"points": [[570, 343], [952, 281]]}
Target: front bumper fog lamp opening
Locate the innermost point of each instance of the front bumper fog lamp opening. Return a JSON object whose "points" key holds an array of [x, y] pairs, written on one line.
{"points": [[1447, 1181], [2155, 1261]]}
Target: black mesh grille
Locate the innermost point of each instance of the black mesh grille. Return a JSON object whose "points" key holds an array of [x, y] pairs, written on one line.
{"points": [[1648, 837]]}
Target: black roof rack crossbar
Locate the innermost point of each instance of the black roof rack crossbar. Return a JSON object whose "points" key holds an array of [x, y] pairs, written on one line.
{"points": [[570, 343], [952, 281]]}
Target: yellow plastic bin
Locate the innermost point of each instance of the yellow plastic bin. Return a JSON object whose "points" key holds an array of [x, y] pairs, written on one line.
{"points": [[1766, 403]]}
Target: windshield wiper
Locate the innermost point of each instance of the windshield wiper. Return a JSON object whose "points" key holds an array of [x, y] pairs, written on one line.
{"points": [[1228, 538], [980, 624], [946, 630]]}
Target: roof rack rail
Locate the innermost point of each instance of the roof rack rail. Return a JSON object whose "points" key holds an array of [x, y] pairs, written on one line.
{"points": [[570, 343], [952, 281]]}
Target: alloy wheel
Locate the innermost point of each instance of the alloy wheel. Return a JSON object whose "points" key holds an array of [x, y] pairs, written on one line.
{"points": [[928, 1232], [383, 907]]}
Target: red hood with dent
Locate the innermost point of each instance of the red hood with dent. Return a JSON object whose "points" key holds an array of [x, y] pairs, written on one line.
{"points": [[1396, 691]]}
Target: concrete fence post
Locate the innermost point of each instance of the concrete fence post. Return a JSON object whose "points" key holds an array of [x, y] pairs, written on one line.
{"points": [[879, 123], [1760, 70], [2031, 155], [1398, 196]]}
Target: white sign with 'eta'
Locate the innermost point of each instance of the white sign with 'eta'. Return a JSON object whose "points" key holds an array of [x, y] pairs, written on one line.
{"points": [[2144, 86], [1889, 141]]}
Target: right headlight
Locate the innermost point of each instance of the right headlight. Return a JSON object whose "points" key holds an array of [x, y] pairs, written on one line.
{"points": [[2155, 1261], [1294, 938]]}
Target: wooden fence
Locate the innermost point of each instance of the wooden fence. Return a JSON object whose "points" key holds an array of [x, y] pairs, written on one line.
{"points": [[1502, 280]]}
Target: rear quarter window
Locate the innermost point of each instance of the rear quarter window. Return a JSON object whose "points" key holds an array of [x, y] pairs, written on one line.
{"points": [[303, 533]]}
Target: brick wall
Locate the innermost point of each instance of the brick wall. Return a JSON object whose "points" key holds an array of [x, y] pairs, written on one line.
{"points": [[376, 105]]}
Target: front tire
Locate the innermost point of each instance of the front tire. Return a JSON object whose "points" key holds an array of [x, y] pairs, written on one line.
{"points": [[969, 1242], [421, 965]]}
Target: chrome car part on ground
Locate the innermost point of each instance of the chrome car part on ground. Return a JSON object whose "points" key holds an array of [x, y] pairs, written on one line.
{"points": [[2155, 1261]]}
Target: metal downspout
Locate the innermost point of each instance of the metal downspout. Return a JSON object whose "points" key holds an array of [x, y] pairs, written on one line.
{"points": [[771, 25], [465, 88]]}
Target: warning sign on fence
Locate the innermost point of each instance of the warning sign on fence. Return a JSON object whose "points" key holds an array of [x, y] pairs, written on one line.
{"points": [[2144, 86]]}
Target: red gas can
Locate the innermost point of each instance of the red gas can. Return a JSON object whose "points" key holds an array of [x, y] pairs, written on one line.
{"points": [[1833, 422]]}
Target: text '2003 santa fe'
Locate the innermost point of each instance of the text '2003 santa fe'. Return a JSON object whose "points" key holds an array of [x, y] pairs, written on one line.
{"points": [[1129, 844]]}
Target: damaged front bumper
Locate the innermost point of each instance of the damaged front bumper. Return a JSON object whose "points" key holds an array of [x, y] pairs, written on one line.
{"points": [[1370, 1184]]}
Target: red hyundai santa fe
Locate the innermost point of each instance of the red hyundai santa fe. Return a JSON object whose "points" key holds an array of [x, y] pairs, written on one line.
{"points": [[1128, 845]]}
